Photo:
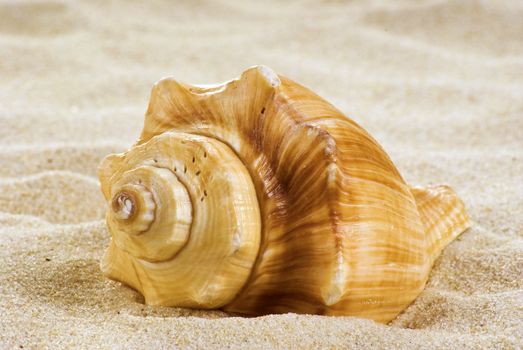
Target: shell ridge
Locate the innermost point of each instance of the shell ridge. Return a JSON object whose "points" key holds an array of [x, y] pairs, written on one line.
{"points": [[331, 176]]}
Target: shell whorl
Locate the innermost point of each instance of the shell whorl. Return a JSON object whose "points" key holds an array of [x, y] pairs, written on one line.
{"points": [[133, 203], [199, 242], [324, 223], [150, 213]]}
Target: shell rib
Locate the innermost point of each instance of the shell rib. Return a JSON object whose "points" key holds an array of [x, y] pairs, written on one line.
{"points": [[331, 226]]}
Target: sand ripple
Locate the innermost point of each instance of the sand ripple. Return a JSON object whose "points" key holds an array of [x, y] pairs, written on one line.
{"points": [[60, 197], [40, 18]]}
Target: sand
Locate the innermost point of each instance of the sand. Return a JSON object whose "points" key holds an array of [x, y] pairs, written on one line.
{"points": [[439, 84]]}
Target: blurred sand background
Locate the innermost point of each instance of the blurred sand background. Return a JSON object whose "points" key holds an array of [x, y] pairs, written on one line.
{"points": [[438, 83]]}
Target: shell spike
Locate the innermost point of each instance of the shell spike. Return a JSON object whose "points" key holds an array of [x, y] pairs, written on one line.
{"points": [[443, 216]]}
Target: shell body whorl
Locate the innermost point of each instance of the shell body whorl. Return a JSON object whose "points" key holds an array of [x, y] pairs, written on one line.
{"points": [[277, 201]]}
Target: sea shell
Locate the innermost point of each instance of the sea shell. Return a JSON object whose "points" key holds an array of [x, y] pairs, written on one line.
{"points": [[257, 196]]}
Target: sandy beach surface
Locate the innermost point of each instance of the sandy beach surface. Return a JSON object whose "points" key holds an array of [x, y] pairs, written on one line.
{"points": [[438, 83]]}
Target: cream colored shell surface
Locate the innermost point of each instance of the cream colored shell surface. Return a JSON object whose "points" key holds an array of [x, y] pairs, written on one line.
{"points": [[257, 196]]}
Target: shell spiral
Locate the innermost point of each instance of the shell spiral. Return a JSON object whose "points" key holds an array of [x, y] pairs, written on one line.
{"points": [[257, 196]]}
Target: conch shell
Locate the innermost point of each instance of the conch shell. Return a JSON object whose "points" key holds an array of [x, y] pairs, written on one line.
{"points": [[257, 196]]}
